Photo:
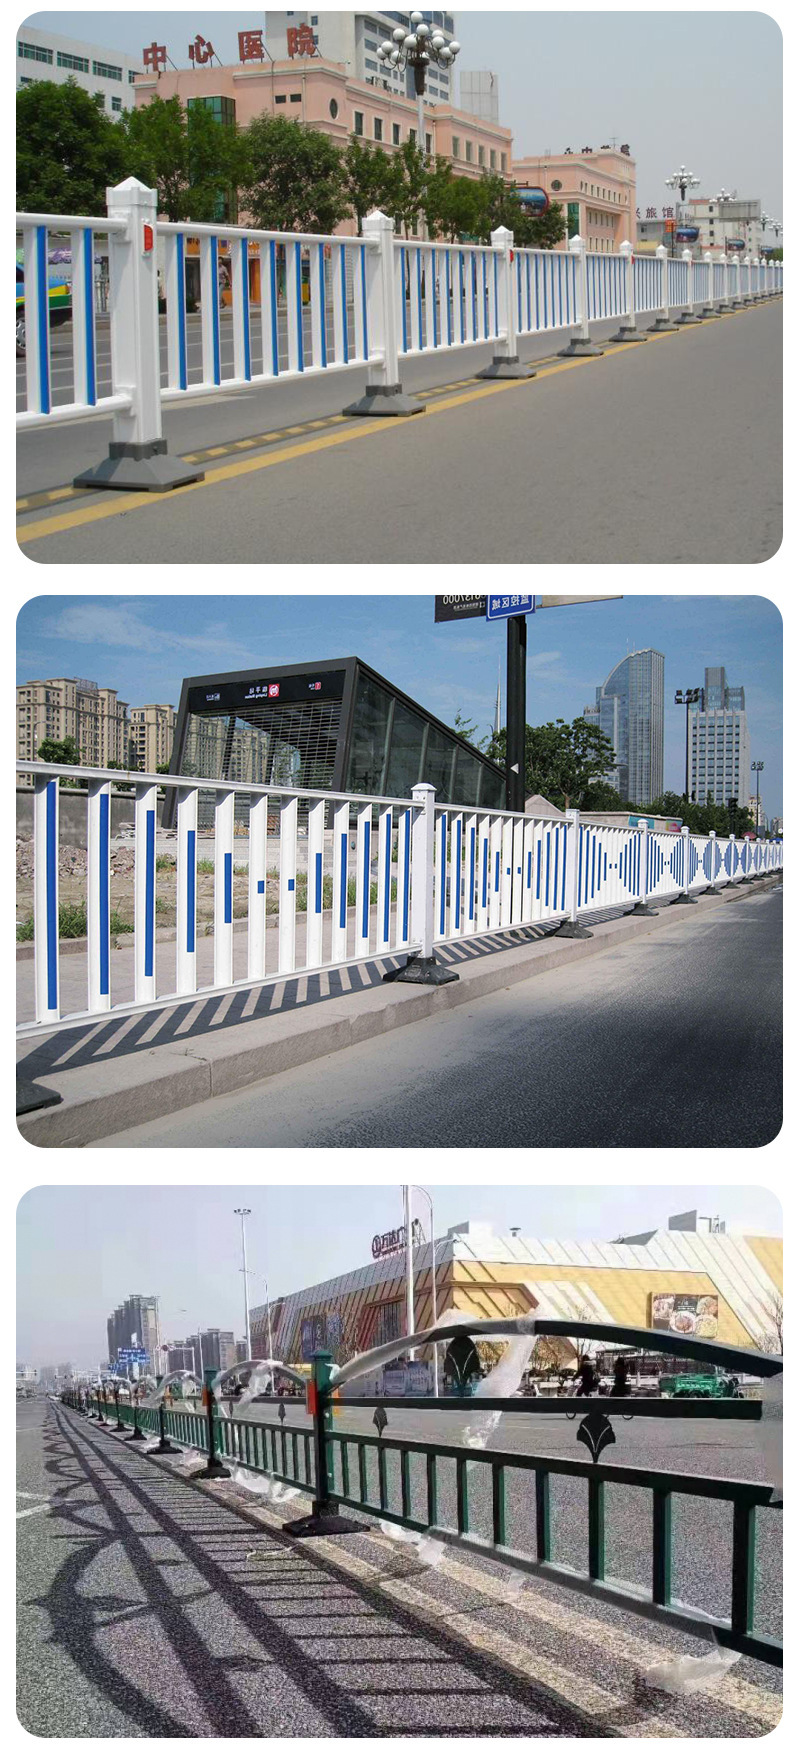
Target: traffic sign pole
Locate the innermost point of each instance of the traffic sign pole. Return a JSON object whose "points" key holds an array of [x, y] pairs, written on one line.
{"points": [[516, 657]]}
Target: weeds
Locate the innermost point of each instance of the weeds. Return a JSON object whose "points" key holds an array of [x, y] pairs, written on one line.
{"points": [[72, 924]]}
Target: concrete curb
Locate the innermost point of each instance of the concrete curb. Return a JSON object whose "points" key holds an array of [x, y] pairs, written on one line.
{"points": [[104, 1098]]}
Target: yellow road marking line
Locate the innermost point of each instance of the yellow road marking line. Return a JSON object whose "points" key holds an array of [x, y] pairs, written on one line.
{"points": [[127, 503]]}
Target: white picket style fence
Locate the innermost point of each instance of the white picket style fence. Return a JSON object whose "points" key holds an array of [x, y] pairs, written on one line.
{"points": [[326, 304], [383, 876]]}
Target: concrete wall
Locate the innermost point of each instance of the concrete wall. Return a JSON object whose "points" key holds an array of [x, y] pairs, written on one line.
{"points": [[72, 814]]}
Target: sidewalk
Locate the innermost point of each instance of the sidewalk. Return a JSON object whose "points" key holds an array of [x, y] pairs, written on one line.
{"points": [[118, 1074]]}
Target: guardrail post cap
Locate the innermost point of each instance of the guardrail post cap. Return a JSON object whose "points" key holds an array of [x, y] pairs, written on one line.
{"points": [[502, 235], [661, 250], [422, 791], [626, 248], [576, 243], [377, 221]]}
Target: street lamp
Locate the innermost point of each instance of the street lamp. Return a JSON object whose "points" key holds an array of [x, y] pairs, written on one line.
{"points": [[758, 766], [680, 180], [418, 48], [688, 697], [427, 1195], [722, 198], [243, 1213]]}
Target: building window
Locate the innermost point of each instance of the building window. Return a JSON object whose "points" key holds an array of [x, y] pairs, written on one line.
{"points": [[556, 184], [334, 108], [131, 76], [377, 127], [32, 52], [372, 65], [481, 155], [502, 161], [294, 97], [280, 98], [116, 103], [358, 122], [395, 134], [27, 82], [492, 159], [456, 147], [428, 143], [103, 70], [78, 63], [468, 152], [100, 100]]}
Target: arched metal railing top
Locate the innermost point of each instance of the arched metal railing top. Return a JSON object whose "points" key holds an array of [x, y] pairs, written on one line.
{"points": [[731, 1357]]}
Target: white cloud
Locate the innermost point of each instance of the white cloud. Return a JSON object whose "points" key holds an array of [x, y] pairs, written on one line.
{"points": [[120, 626]]}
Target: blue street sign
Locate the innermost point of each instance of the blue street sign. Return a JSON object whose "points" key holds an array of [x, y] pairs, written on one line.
{"points": [[130, 1355], [509, 605]]}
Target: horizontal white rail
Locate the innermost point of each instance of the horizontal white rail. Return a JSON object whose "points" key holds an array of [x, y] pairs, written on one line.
{"points": [[283, 306], [331, 880]]}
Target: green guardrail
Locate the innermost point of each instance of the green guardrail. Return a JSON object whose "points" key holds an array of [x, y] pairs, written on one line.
{"points": [[372, 1476]]}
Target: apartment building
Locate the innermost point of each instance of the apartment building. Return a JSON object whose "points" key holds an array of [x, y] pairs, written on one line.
{"points": [[106, 74], [73, 708], [151, 733]]}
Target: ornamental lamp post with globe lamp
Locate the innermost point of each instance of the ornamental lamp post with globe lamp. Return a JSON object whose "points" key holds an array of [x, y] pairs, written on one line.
{"points": [[418, 48], [680, 180]]}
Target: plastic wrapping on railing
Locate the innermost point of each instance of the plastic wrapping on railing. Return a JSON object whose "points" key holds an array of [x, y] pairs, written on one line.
{"points": [[182, 1379], [501, 1383], [260, 1372], [429, 1552], [264, 1485], [691, 1674]]}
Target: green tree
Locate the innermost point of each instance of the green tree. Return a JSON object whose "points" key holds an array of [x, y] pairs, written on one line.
{"points": [[408, 194], [600, 797], [194, 162], [68, 150], [453, 206], [562, 759], [465, 729], [295, 180], [370, 178], [61, 751]]}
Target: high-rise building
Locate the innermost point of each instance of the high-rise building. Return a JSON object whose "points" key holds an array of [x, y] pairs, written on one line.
{"points": [[352, 38], [732, 226], [106, 74], [135, 1323], [151, 731], [73, 708], [629, 709], [719, 743]]}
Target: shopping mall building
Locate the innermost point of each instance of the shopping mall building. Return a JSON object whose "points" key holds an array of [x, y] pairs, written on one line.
{"points": [[676, 1279]]}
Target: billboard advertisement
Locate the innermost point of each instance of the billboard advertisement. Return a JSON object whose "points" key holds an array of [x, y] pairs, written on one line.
{"points": [[692, 1316]]}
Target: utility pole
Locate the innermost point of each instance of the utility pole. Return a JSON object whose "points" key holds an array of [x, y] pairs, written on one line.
{"points": [[516, 659], [243, 1213]]}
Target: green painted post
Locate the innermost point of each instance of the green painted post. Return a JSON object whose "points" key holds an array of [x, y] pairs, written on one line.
{"points": [[597, 1529], [498, 1504], [662, 1548], [163, 1445], [214, 1468], [119, 1424], [138, 1433], [542, 1516], [324, 1517], [462, 1495], [433, 1499], [743, 1576]]}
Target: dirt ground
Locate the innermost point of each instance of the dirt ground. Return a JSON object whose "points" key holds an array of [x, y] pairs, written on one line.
{"points": [[72, 884]]}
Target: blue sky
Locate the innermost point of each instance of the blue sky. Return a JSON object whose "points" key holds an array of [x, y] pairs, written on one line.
{"points": [[144, 646], [182, 1243], [702, 88]]}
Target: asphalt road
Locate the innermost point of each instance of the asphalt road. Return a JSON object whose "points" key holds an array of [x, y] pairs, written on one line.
{"points": [[669, 451], [671, 1042], [150, 1607]]}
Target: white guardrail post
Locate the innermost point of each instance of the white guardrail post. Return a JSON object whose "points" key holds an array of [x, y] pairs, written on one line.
{"points": [[661, 322], [725, 304], [137, 456], [383, 395], [627, 331], [685, 896], [688, 315], [641, 907], [423, 967], [707, 308], [505, 364], [571, 929], [582, 343]]}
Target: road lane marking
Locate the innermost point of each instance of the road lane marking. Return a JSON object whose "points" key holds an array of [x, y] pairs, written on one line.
{"points": [[22, 1513], [128, 503]]}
